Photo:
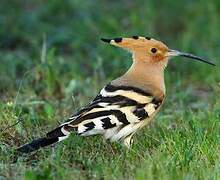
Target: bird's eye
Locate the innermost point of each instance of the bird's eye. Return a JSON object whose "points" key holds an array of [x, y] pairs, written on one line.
{"points": [[153, 50]]}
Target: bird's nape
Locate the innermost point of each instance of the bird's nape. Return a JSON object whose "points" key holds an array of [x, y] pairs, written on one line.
{"points": [[188, 55]]}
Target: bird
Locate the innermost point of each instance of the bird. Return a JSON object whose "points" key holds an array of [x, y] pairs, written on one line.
{"points": [[126, 104]]}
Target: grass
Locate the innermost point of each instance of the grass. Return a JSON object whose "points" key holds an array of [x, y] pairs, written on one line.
{"points": [[52, 63]]}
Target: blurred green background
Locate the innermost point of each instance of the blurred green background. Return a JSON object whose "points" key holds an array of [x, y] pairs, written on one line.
{"points": [[52, 62]]}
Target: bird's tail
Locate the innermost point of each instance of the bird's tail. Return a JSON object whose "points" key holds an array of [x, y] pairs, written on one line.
{"points": [[52, 137]]}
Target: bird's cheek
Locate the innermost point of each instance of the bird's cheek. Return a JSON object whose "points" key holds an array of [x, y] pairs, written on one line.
{"points": [[158, 57]]}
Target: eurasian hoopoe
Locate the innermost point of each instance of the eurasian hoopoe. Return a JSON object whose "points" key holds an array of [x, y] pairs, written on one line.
{"points": [[127, 103]]}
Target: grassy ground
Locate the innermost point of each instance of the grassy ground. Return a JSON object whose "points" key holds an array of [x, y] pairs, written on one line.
{"points": [[52, 63]]}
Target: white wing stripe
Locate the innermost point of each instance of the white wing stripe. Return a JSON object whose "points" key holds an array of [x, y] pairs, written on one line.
{"points": [[129, 94], [150, 109]]}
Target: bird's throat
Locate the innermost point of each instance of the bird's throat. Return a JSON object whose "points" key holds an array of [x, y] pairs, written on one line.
{"points": [[147, 75]]}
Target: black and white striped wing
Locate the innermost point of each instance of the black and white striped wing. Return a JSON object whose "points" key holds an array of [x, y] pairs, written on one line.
{"points": [[115, 108], [117, 112]]}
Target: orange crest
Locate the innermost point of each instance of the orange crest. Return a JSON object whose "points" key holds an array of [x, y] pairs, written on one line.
{"points": [[143, 48]]}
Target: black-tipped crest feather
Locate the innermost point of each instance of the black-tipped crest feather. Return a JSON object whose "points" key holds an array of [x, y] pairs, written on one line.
{"points": [[106, 40]]}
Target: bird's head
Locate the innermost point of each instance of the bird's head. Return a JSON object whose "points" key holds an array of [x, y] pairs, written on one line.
{"points": [[149, 50]]}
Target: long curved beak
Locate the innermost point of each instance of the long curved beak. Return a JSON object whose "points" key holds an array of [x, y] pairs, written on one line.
{"points": [[187, 55]]}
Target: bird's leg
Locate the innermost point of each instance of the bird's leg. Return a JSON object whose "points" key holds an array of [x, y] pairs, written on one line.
{"points": [[128, 141]]}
